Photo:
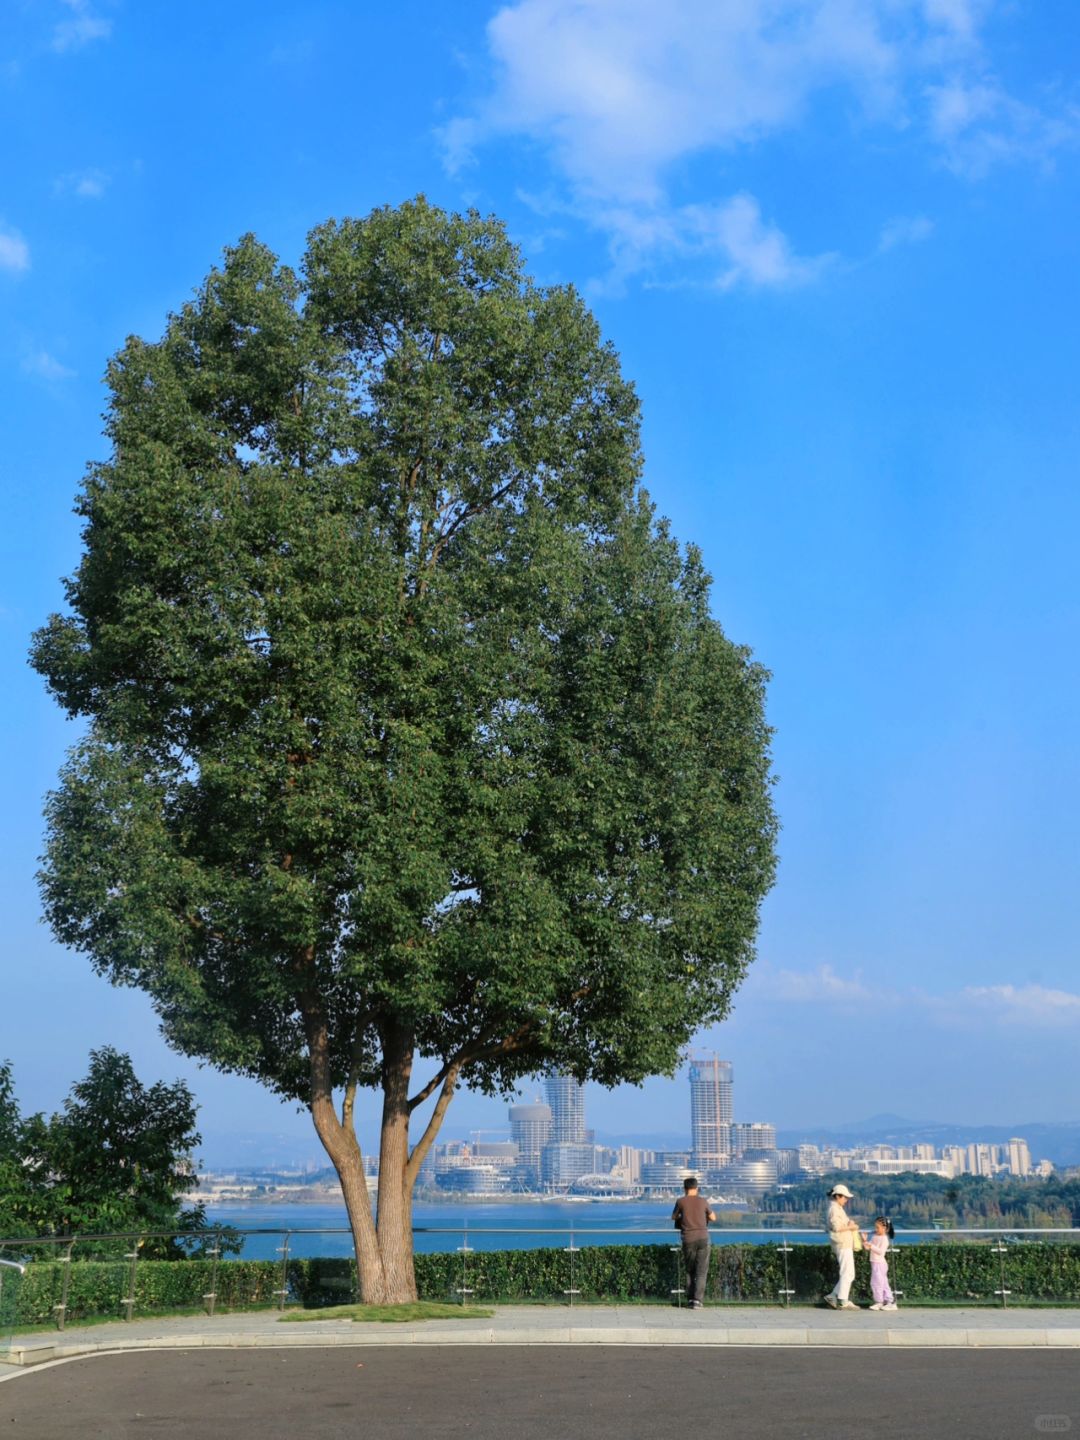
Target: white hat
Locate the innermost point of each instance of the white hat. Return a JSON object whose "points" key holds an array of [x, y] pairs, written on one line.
{"points": [[841, 1190]]}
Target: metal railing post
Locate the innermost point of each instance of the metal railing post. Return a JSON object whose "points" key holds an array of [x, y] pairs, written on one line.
{"points": [[894, 1280], [283, 1290], [679, 1289], [785, 1250], [1002, 1250], [215, 1256], [65, 1286], [571, 1250], [20, 1270], [464, 1250], [128, 1300]]}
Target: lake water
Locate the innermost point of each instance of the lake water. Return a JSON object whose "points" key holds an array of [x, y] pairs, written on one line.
{"points": [[444, 1226]]}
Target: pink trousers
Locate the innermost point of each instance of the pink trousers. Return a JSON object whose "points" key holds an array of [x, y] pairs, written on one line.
{"points": [[879, 1282]]}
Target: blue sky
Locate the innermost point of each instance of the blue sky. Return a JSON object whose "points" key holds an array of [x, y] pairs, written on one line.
{"points": [[836, 244]]}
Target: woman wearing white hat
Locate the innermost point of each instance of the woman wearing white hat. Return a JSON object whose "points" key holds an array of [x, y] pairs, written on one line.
{"points": [[842, 1233]]}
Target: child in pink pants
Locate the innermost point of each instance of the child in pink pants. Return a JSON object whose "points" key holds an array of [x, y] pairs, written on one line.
{"points": [[878, 1245]]}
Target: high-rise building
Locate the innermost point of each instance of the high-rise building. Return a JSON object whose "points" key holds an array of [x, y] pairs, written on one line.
{"points": [[563, 1162], [752, 1135], [1019, 1157], [811, 1160], [956, 1155], [566, 1096], [628, 1162], [530, 1126], [982, 1159], [711, 1084]]}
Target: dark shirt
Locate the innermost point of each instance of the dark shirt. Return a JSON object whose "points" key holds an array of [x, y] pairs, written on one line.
{"points": [[691, 1216]]}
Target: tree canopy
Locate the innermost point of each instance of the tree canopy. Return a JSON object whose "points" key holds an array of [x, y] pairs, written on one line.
{"points": [[410, 731], [119, 1157]]}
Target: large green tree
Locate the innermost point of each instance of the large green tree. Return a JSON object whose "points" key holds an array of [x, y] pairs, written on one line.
{"points": [[118, 1157], [411, 741]]}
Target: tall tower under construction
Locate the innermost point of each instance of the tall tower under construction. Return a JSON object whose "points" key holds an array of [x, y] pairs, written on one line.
{"points": [[711, 1084]]}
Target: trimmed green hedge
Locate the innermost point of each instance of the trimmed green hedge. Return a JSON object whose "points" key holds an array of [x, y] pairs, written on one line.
{"points": [[945, 1271], [99, 1288]]}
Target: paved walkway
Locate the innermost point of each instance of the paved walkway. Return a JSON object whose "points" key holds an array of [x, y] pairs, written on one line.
{"points": [[582, 1325]]}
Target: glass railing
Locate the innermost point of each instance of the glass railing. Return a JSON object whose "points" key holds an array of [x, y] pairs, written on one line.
{"points": [[11, 1274], [62, 1281]]}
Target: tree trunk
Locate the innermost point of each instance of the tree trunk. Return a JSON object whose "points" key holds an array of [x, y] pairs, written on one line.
{"points": [[384, 1247], [340, 1143], [343, 1149], [395, 1236]]}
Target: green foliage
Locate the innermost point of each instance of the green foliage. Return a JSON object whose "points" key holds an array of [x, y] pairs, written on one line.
{"points": [[98, 1288], [117, 1158], [12, 1177], [935, 1273]]}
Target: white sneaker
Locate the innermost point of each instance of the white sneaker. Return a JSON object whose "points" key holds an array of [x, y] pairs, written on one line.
{"points": [[832, 1302], [847, 1305], [893, 1306], [877, 1305]]}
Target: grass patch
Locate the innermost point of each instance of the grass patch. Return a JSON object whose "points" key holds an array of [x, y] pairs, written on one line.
{"points": [[421, 1310], [83, 1322]]}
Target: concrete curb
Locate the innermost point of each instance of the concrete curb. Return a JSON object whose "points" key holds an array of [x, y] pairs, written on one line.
{"points": [[360, 1336]]}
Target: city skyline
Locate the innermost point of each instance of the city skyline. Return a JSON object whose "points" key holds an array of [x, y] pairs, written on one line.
{"points": [[548, 1149]]}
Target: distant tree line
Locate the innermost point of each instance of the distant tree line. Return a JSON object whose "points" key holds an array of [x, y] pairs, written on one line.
{"points": [[118, 1157], [925, 1200]]}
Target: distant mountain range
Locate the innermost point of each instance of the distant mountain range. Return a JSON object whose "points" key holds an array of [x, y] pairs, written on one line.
{"points": [[254, 1149]]}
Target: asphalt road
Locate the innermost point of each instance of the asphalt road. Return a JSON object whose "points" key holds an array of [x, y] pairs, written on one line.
{"points": [[549, 1393]]}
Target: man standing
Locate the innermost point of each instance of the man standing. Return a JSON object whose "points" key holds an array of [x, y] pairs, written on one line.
{"points": [[691, 1216]]}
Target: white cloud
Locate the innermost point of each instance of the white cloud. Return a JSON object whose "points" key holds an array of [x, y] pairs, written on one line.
{"points": [[1024, 1004], [14, 251], [756, 251], [823, 985], [80, 29], [978, 125], [620, 89], [959, 16], [973, 1006], [718, 246], [46, 366], [616, 94], [83, 184], [904, 230]]}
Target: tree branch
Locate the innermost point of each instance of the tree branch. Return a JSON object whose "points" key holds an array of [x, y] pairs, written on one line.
{"points": [[423, 1145], [201, 927], [352, 1084], [347, 1103], [467, 514], [485, 1048], [433, 1084]]}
